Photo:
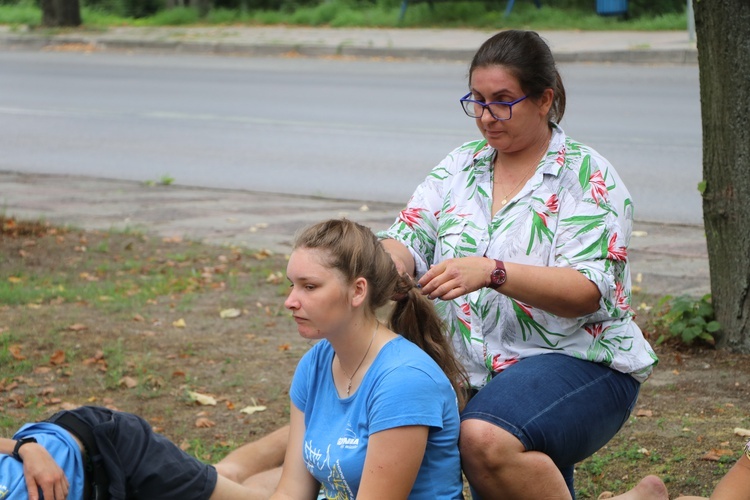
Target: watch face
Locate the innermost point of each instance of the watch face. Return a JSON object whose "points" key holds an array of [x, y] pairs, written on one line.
{"points": [[497, 277]]}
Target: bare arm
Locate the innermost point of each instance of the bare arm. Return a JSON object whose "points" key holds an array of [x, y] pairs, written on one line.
{"points": [[392, 462], [561, 291], [39, 470], [400, 255], [253, 458], [296, 482]]}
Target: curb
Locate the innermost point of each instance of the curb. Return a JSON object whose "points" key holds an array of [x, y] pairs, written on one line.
{"points": [[676, 56]]}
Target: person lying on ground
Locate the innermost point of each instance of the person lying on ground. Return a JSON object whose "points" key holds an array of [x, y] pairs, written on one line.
{"points": [[96, 453]]}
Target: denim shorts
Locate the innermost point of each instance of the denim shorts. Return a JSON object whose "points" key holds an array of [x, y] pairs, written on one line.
{"points": [[564, 407]]}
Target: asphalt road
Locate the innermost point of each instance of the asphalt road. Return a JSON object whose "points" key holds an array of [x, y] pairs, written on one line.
{"points": [[347, 129]]}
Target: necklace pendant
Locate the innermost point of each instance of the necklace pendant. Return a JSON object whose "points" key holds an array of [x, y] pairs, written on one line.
{"points": [[504, 202]]}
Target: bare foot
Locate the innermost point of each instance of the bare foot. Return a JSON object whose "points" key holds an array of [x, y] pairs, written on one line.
{"points": [[650, 488]]}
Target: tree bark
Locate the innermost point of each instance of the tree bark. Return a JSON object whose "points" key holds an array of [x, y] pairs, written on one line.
{"points": [[723, 34], [59, 13]]}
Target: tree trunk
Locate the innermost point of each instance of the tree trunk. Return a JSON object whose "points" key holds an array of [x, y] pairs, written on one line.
{"points": [[723, 33], [56, 13]]}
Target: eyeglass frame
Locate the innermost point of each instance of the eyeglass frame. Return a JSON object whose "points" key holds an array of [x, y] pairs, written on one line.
{"points": [[486, 105]]}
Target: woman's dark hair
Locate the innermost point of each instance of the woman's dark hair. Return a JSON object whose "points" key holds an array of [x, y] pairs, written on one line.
{"points": [[530, 60], [355, 251]]}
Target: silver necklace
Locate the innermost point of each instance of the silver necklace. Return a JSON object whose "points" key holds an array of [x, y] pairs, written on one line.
{"points": [[526, 175], [349, 384]]}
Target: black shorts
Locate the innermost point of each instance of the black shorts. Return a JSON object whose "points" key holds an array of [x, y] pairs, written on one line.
{"points": [[140, 463]]}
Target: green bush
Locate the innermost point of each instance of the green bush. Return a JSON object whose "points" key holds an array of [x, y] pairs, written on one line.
{"points": [[686, 319]]}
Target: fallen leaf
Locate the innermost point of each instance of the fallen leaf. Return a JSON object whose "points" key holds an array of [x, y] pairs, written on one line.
{"points": [[644, 413], [204, 423], [284, 347], [180, 323], [128, 382], [230, 313], [14, 279], [77, 327], [252, 409], [644, 451], [742, 432], [15, 351], [202, 399], [57, 358], [178, 373], [715, 455]]}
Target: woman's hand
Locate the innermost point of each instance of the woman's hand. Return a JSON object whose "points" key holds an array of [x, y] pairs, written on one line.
{"points": [[455, 277], [42, 473]]}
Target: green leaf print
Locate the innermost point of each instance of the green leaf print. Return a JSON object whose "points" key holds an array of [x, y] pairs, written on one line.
{"points": [[584, 174], [587, 222], [596, 250], [529, 326], [538, 230]]}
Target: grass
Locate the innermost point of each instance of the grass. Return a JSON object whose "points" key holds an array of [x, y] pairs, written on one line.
{"points": [[340, 13]]}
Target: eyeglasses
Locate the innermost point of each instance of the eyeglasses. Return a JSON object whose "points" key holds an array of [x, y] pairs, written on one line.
{"points": [[499, 110]]}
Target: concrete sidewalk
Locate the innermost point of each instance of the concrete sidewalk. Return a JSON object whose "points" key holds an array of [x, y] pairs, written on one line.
{"points": [[645, 47], [666, 259]]}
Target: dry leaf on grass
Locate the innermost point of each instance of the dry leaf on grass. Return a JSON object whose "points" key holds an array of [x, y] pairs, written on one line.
{"points": [[204, 423], [644, 413], [15, 351], [180, 323], [715, 455], [230, 313], [77, 327], [202, 399], [742, 432], [252, 409], [128, 382], [57, 358]]}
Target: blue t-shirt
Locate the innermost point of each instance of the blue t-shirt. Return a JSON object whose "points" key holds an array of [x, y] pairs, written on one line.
{"points": [[402, 387], [64, 450]]}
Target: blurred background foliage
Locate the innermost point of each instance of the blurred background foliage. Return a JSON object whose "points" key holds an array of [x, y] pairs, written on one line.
{"points": [[554, 14]]}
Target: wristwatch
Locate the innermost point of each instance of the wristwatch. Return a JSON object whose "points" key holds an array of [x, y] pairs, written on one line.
{"points": [[20, 443], [498, 275]]}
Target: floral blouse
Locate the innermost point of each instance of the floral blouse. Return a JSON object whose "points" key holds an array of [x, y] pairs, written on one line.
{"points": [[573, 212]]}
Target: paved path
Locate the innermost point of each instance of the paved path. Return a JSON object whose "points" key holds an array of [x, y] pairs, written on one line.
{"points": [[447, 44], [666, 259]]}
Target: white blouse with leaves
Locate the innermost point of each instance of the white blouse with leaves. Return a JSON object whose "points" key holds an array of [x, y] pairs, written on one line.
{"points": [[573, 212]]}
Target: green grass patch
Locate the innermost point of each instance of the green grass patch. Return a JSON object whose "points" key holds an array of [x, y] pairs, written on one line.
{"points": [[342, 13]]}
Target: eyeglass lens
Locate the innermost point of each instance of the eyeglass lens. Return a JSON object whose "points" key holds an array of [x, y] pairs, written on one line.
{"points": [[475, 109]]}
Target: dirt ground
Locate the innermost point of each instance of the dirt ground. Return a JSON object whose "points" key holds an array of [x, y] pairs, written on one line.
{"points": [[195, 338]]}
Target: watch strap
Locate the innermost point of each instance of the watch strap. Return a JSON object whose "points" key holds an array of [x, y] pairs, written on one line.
{"points": [[20, 443]]}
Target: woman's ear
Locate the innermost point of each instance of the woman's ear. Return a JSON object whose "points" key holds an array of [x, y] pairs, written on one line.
{"points": [[545, 102], [359, 292]]}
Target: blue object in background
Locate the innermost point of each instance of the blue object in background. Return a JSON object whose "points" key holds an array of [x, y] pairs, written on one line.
{"points": [[611, 7]]}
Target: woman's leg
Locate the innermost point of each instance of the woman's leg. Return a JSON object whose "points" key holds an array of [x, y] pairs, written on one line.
{"points": [[540, 417]]}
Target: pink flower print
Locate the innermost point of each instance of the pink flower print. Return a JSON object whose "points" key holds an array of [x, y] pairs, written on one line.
{"points": [[560, 156], [594, 330], [543, 217], [465, 308], [598, 187], [467, 324], [614, 252], [621, 297], [410, 216], [499, 365], [525, 309], [553, 204]]}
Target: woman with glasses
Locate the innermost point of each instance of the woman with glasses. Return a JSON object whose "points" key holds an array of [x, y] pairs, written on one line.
{"points": [[521, 239]]}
